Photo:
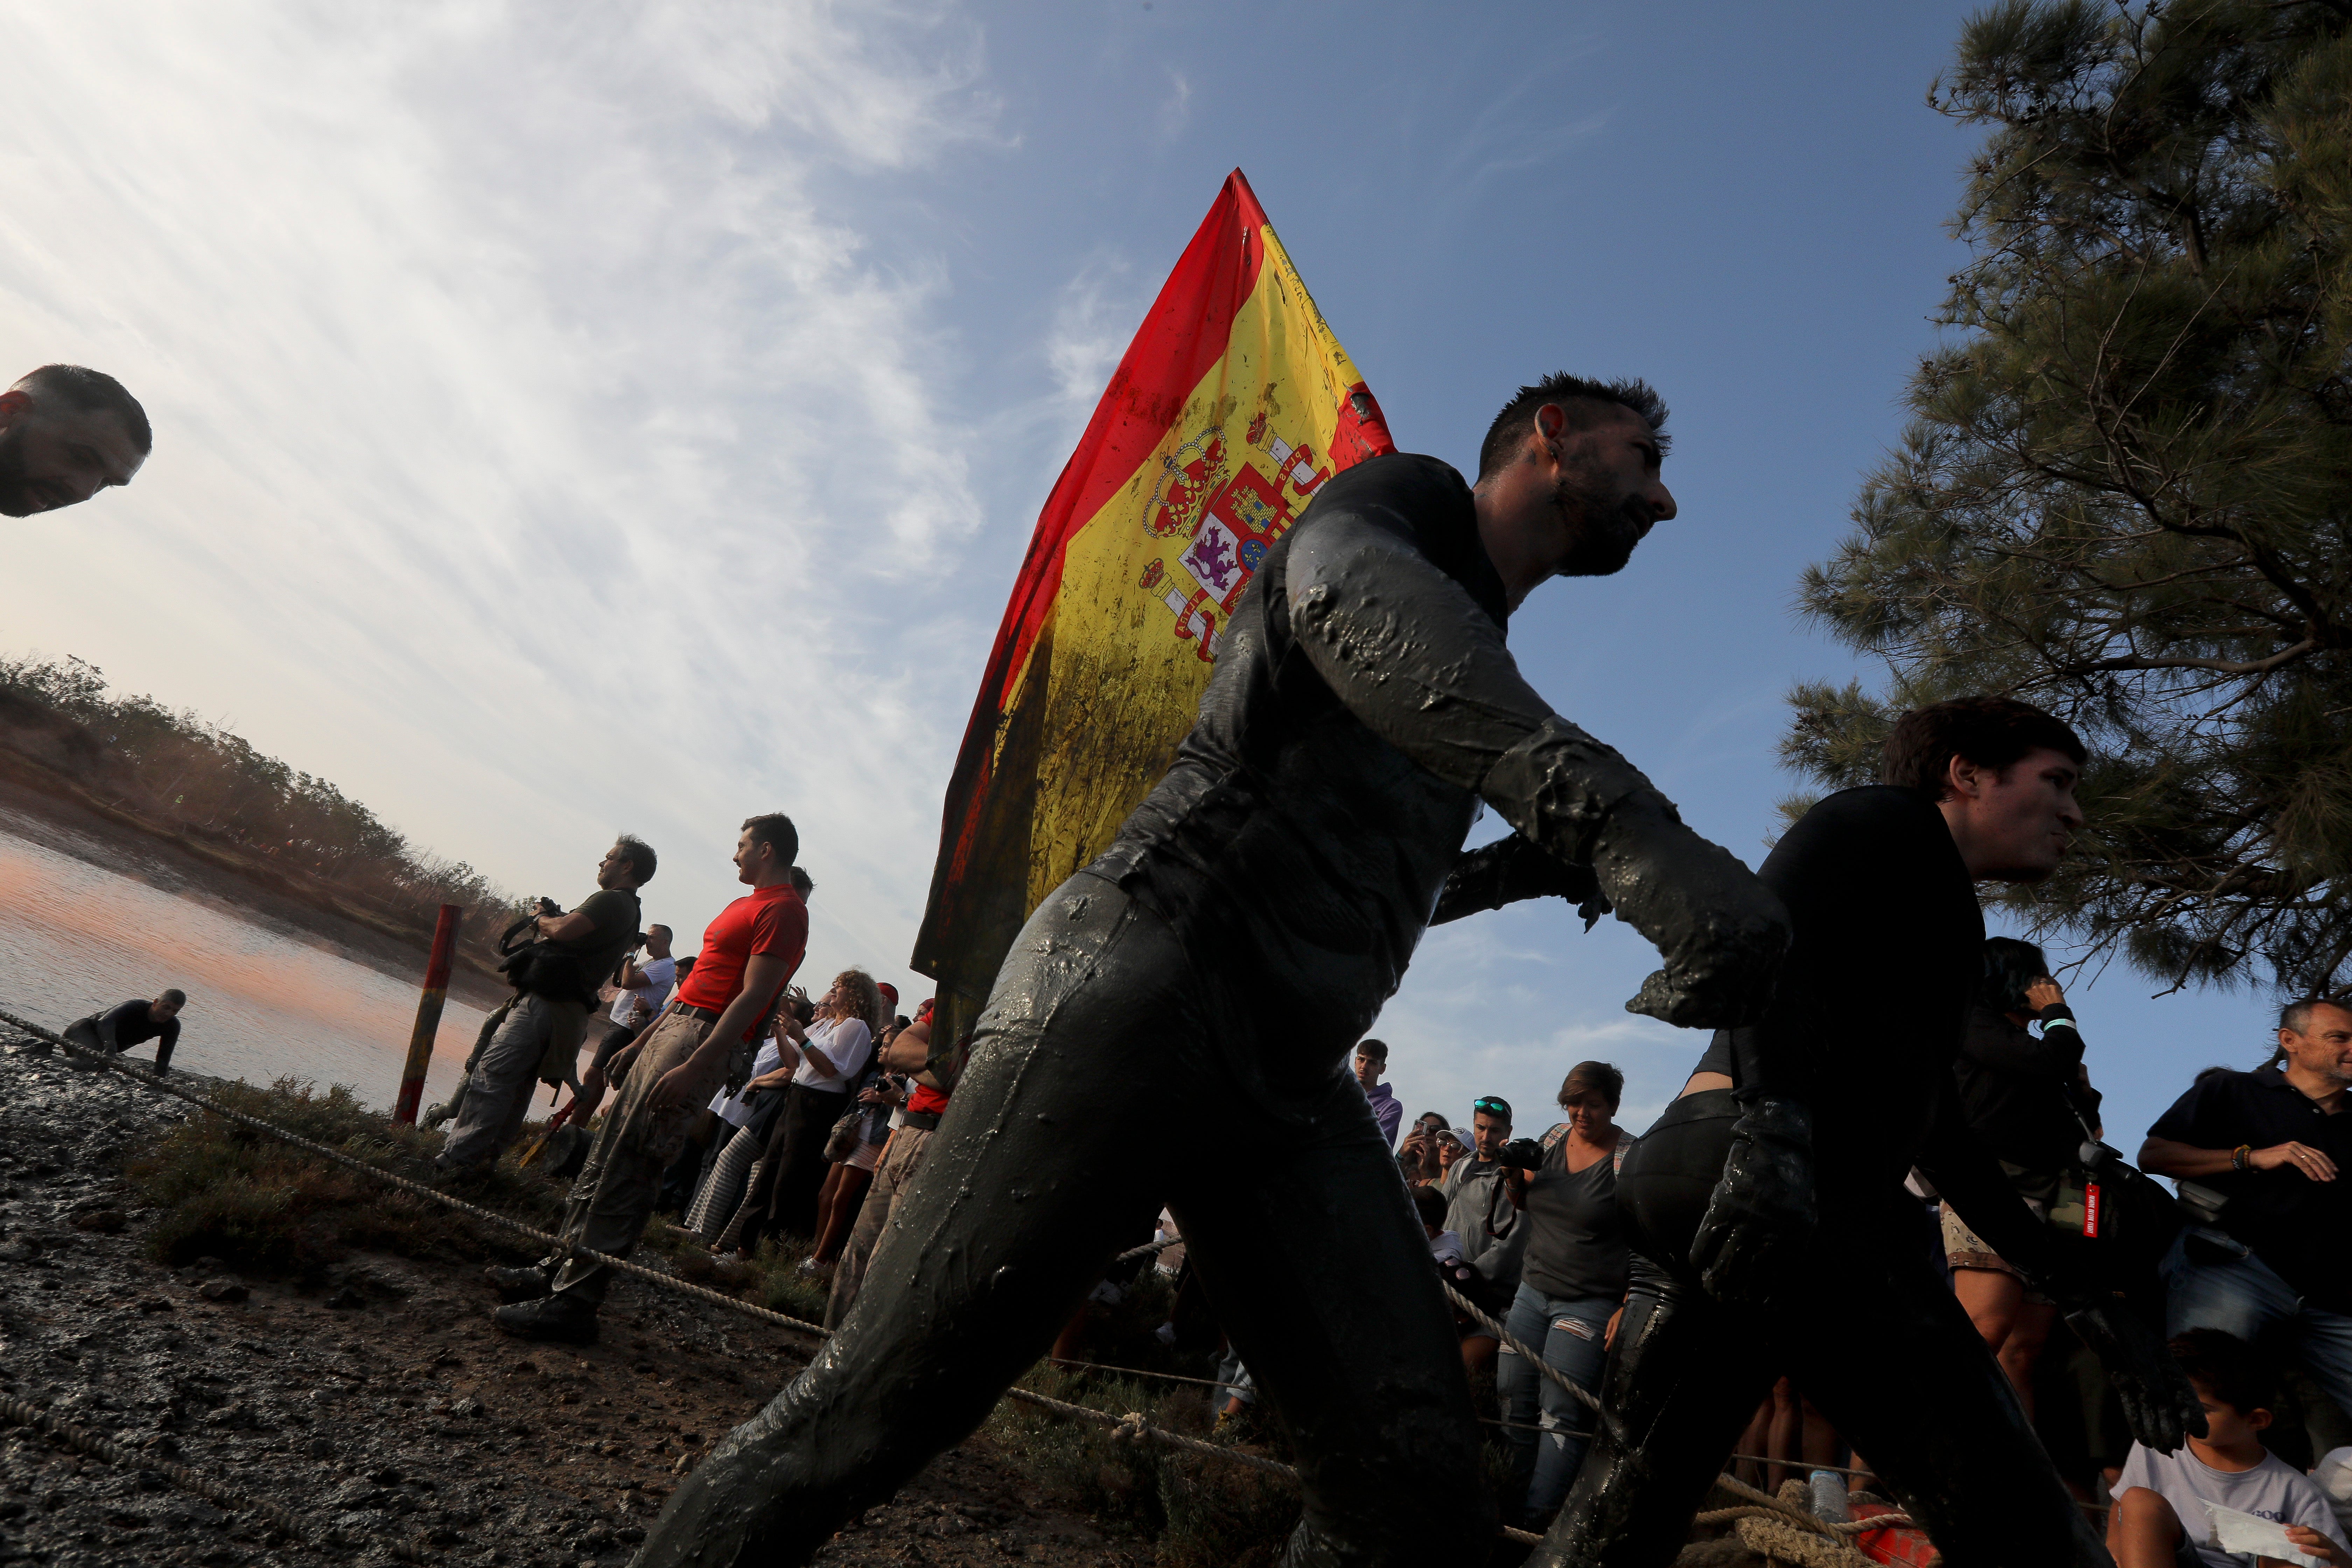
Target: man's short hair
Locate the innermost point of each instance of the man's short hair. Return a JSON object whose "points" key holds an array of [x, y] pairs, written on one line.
{"points": [[1376, 1049], [1993, 733], [638, 856], [802, 882], [2225, 1366], [174, 997], [684, 965], [775, 828], [86, 391], [657, 926], [2296, 1016], [1577, 398], [1491, 1105]]}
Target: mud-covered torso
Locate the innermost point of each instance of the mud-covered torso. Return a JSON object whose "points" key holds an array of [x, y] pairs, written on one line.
{"points": [[1299, 852]]}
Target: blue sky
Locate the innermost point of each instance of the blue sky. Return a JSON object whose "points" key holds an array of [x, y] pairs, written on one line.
{"points": [[572, 418]]}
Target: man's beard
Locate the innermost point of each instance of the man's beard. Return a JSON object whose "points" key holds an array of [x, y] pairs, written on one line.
{"points": [[1604, 524], [16, 499]]}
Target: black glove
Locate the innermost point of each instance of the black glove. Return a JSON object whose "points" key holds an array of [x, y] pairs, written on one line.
{"points": [[2157, 1399], [1510, 870], [1763, 1212]]}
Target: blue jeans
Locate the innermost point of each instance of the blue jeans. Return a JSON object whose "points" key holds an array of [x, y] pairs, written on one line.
{"points": [[1569, 1335], [2211, 1281]]}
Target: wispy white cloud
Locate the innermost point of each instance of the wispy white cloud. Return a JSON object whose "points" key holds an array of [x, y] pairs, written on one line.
{"points": [[519, 395], [1175, 106]]}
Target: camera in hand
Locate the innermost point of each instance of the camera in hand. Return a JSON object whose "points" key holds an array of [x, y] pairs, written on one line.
{"points": [[1520, 1154], [547, 906]]}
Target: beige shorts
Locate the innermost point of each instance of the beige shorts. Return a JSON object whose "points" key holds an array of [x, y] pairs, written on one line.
{"points": [[1964, 1249]]}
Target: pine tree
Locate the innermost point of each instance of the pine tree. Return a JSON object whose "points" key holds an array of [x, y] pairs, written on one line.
{"points": [[2124, 491]]}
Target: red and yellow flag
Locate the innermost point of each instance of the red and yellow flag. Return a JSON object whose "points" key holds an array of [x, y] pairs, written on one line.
{"points": [[1233, 405]]}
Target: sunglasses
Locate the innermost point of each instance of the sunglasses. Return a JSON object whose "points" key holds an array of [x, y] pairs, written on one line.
{"points": [[1491, 1106]]}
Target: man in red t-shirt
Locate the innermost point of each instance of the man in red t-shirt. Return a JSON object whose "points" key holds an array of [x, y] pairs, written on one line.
{"points": [[701, 1040], [910, 1053]]}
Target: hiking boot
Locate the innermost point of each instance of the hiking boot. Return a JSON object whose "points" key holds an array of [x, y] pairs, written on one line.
{"points": [[562, 1318], [527, 1284]]}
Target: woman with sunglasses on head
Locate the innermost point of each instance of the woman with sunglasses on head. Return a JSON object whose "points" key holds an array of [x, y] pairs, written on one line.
{"points": [[1572, 1278]]}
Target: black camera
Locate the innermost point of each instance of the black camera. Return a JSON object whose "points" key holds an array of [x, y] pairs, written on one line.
{"points": [[550, 907], [1520, 1154]]}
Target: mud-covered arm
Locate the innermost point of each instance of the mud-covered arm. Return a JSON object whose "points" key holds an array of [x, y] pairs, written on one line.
{"points": [[1512, 868], [1414, 658]]}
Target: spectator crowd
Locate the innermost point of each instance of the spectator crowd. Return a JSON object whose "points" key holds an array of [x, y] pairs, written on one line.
{"points": [[755, 1113]]}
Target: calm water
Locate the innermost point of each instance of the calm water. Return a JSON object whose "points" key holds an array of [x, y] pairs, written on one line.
{"points": [[264, 1000]]}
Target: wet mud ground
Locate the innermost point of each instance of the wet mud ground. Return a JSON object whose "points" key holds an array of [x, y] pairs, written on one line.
{"points": [[382, 1404]]}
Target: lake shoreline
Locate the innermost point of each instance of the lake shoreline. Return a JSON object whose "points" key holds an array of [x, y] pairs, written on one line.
{"points": [[118, 843]]}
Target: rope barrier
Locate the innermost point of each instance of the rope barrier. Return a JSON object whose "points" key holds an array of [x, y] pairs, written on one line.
{"points": [[23, 1413], [1129, 1428], [1159, 1244], [1534, 1357]]}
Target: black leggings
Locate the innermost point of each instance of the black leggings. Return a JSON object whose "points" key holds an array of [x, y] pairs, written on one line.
{"points": [[785, 1200], [1103, 1051], [1867, 1329]]}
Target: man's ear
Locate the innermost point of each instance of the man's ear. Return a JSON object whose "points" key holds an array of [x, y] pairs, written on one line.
{"points": [[2259, 1419], [15, 403], [1964, 779], [1550, 429]]}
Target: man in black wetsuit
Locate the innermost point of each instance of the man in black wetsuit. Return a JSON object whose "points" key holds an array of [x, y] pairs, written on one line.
{"points": [[134, 1023], [1212, 969], [1766, 1210]]}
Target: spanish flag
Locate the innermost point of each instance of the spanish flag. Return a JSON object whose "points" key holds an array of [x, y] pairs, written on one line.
{"points": [[1233, 405]]}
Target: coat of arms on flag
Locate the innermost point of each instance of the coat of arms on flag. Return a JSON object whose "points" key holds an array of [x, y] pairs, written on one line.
{"points": [[1231, 406]]}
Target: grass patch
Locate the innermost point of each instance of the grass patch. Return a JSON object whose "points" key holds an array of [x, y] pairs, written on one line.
{"points": [[1199, 1512], [772, 1279], [248, 1198]]}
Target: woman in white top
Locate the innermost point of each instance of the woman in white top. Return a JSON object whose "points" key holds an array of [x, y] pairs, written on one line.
{"points": [[825, 1059]]}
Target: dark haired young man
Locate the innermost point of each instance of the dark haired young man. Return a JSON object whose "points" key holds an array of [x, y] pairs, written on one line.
{"points": [[2277, 1264], [1213, 969], [66, 434], [1765, 1211], [555, 980], [701, 1041]]}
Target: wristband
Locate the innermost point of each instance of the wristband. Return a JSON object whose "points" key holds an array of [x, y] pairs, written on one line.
{"points": [[2239, 1155]]}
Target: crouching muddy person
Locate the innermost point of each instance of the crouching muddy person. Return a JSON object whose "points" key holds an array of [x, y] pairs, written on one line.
{"points": [[1213, 968], [555, 980], [134, 1023], [701, 1040]]}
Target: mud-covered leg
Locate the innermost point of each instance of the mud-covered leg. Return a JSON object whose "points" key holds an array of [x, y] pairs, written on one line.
{"points": [[1056, 1146], [1894, 1364], [1681, 1382], [1321, 1274]]}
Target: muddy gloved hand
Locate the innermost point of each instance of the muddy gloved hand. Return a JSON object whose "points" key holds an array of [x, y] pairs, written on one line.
{"points": [[1721, 932], [1510, 870], [1763, 1211], [2158, 1402]]}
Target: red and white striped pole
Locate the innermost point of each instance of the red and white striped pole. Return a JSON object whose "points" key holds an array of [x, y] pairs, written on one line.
{"points": [[428, 1014]]}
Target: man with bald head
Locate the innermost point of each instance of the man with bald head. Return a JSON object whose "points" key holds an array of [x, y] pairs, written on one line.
{"points": [[66, 434]]}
